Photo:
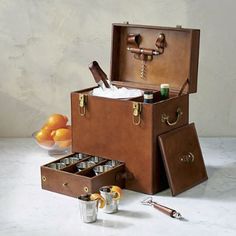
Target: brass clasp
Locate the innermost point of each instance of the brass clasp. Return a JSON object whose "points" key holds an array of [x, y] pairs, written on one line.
{"points": [[137, 108], [82, 104]]}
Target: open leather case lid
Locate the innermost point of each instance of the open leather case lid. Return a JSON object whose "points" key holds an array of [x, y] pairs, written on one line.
{"points": [[177, 62], [182, 158]]}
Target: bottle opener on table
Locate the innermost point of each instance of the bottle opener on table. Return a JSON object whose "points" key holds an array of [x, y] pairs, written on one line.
{"points": [[166, 210]]}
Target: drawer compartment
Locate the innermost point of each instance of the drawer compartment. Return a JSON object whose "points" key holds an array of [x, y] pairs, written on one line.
{"points": [[69, 181]]}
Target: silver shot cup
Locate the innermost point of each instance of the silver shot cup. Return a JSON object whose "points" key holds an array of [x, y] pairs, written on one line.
{"points": [[73, 160], [57, 166], [65, 161], [96, 159], [111, 203], [101, 168], [84, 165], [81, 156], [113, 163], [88, 209]]}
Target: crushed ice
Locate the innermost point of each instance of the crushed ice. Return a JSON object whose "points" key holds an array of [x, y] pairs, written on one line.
{"points": [[118, 93]]}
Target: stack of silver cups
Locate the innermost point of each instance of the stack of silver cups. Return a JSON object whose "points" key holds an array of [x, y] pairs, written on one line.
{"points": [[105, 167]]}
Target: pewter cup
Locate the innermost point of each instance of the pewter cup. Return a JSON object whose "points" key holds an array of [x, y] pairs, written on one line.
{"points": [[96, 159], [81, 155], [113, 163], [101, 168], [65, 161], [60, 165], [84, 165], [111, 205], [57, 166], [88, 209], [73, 160], [52, 165]]}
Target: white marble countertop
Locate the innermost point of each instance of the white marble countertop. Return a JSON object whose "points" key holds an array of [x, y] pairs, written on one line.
{"points": [[26, 209]]}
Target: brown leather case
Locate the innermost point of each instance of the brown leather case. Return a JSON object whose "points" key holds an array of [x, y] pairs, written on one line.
{"points": [[127, 130], [105, 127], [183, 159]]}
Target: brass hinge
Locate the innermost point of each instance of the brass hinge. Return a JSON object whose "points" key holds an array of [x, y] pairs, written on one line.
{"points": [[137, 108]]}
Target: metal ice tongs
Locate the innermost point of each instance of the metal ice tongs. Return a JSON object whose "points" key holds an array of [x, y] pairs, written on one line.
{"points": [[166, 210]]}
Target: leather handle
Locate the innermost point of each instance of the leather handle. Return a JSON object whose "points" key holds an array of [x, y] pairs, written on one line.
{"points": [[166, 118]]}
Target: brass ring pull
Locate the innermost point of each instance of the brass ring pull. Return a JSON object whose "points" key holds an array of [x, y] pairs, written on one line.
{"points": [[187, 158], [44, 178], [86, 189], [165, 118], [65, 184]]}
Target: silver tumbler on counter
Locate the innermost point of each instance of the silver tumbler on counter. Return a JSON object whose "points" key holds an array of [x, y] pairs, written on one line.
{"points": [[111, 202], [88, 208]]}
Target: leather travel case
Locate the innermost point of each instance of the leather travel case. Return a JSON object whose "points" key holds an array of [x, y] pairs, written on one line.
{"points": [[127, 130]]}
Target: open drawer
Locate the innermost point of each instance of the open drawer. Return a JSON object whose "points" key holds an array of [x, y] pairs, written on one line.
{"points": [[67, 179]]}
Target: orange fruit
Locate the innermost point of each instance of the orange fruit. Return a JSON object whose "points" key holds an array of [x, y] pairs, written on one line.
{"points": [[64, 144], [46, 127], [97, 196], [68, 127], [62, 137], [117, 191], [56, 121], [44, 138]]}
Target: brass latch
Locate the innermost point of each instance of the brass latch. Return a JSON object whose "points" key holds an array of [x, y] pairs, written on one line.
{"points": [[82, 104], [137, 108]]}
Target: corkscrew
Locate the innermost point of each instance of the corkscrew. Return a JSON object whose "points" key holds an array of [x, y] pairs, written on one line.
{"points": [[143, 70], [145, 54], [166, 210]]}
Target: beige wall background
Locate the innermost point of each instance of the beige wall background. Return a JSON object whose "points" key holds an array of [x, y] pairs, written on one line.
{"points": [[46, 46]]}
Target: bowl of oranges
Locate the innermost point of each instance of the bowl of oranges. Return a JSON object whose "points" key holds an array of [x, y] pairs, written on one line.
{"points": [[55, 135]]}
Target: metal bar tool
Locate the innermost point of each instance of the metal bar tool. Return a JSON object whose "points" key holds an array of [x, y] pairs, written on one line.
{"points": [[166, 210]]}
